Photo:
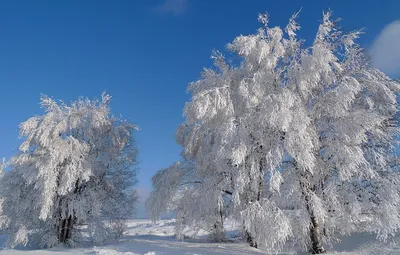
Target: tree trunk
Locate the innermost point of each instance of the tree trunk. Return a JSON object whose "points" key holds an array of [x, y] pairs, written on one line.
{"points": [[65, 229], [324, 232], [258, 198], [219, 231], [61, 233], [315, 235], [69, 227], [316, 244], [218, 234], [250, 240], [67, 224], [307, 189], [248, 236]]}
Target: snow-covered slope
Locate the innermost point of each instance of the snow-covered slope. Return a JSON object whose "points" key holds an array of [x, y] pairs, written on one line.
{"points": [[145, 238]]}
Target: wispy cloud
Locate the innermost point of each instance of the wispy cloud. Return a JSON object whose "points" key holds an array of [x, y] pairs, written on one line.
{"points": [[386, 50], [175, 7]]}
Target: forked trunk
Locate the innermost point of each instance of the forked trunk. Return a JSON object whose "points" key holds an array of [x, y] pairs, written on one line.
{"points": [[66, 224], [65, 229], [61, 231]]}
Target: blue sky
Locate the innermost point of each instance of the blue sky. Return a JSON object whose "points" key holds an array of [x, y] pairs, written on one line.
{"points": [[145, 52]]}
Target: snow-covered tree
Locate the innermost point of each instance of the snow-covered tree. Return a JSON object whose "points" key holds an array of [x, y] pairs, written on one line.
{"points": [[76, 165], [302, 136], [199, 202]]}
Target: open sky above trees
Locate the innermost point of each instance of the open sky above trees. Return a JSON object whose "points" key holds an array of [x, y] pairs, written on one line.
{"points": [[145, 52]]}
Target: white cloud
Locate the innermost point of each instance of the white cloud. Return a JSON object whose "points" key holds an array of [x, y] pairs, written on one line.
{"points": [[386, 49], [175, 7]]}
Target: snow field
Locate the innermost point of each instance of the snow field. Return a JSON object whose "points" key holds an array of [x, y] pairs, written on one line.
{"points": [[145, 238]]}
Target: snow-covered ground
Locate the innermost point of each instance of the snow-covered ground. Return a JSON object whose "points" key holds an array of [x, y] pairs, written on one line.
{"points": [[145, 238]]}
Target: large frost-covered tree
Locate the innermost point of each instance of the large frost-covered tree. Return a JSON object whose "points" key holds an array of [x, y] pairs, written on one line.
{"points": [[303, 136], [76, 165]]}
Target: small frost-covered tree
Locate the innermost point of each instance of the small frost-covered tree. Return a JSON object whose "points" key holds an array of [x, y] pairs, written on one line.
{"points": [[302, 136], [76, 165], [200, 192], [199, 202]]}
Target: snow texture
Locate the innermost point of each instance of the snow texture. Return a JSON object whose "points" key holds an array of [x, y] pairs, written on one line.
{"points": [[145, 238]]}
